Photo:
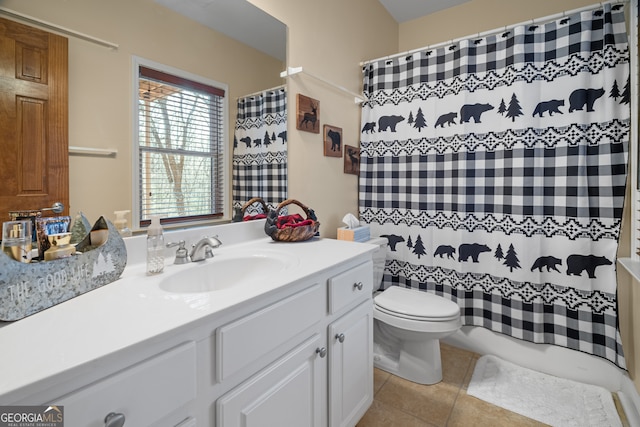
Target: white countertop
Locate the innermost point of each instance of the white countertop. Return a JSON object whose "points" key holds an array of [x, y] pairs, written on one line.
{"points": [[134, 309]]}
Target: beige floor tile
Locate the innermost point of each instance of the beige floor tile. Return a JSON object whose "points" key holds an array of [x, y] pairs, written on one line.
{"points": [[470, 411], [381, 415], [432, 403], [455, 364], [379, 378]]}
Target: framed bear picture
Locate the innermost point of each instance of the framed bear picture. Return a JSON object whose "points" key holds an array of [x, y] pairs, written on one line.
{"points": [[332, 141], [351, 160]]}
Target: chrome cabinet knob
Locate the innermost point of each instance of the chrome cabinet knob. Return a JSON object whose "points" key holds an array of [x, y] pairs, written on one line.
{"points": [[340, 337], [358, 286], [114, 420], [322, 352]]}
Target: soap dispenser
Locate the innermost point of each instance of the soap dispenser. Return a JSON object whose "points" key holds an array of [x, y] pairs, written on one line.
{"points": [[121, 223], [155, 247]]}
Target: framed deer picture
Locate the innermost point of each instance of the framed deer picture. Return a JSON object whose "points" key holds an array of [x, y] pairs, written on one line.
{"points": [[332, 141], [308, 114], [351, 160]]}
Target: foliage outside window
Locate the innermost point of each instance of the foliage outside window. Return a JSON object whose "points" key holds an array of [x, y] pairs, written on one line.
{"points": [[181, 138]]}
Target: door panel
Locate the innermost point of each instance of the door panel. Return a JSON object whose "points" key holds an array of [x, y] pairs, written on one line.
{"points": [[34, 159]]}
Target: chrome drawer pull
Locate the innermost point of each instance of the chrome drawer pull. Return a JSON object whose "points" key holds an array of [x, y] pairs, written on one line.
{"points": [[358, 286], [114, 420], [322, 352], [340, 337]]}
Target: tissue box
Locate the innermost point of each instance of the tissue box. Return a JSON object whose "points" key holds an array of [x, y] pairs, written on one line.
{"points": [[358, 234]]}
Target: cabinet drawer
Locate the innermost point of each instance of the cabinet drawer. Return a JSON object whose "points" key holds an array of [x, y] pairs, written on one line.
{"points": [[145, 394], [350, 286], [245, 340]]}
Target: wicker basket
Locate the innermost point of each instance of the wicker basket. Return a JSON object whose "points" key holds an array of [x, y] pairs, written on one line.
{"points": [[298, 233], [239, 216]]}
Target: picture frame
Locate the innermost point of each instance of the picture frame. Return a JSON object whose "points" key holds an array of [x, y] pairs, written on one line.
{"points": [[351, 160], [332, 141], [307, 114]]}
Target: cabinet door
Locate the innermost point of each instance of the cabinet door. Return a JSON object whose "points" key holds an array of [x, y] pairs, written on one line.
{"points": [[287, 393], [351, 366]]}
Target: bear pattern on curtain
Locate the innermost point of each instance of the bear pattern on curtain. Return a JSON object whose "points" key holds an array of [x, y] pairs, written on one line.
{"points": [[496, 168], [260, 150]]}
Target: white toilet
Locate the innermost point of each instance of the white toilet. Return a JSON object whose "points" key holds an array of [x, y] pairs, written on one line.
{"points": [[408, 325]]}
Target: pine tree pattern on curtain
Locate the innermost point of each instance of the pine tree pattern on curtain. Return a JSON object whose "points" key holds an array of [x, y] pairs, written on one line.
{"points": [[260, 150], [496, 168]]}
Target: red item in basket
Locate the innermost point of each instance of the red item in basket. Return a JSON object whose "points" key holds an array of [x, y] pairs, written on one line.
{"points": [[291, 221]]}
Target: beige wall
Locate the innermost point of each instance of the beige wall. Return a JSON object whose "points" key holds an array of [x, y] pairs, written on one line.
{"points": [[329, 39], [475, 17], [100, 82]]}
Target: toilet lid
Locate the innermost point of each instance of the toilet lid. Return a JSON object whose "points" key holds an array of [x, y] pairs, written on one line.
{"points": [[418, 305]]}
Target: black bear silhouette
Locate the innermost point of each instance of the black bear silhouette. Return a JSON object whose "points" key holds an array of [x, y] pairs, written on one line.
{"points": [[335, 140], [472, 250], [393, 239], [283, 135], [581, 97], [247, 141], [448, 118], [445, 250], [369, 127], [257, 142], [473, 110], [549, 106], [385, 122], [550, 262], [576, 264]]}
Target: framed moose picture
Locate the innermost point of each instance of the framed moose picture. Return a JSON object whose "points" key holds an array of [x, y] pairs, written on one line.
{"points": [[332, 141], [351, 160], [308, 114]]}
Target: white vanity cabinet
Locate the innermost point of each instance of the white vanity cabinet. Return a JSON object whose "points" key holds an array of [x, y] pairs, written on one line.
{"points": [[292, 351], [325, 379]]}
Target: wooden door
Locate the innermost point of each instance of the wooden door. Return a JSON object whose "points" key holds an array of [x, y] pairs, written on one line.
{"points": [[34, 153]]}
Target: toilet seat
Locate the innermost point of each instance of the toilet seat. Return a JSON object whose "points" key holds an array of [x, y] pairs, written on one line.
{"points": [[416, 305]]}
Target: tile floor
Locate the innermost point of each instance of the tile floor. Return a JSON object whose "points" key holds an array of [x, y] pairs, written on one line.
{"points": [[401, 403]]}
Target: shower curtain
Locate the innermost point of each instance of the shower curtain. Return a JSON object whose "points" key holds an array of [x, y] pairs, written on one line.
{"points": [[496, 168], [260, 150]]}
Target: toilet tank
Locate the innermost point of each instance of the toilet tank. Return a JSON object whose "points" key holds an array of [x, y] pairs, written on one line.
{"points": [[379, 258]]}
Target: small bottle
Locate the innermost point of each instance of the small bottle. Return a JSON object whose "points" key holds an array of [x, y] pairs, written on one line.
{"points": [[155, 247], [121, 223]]}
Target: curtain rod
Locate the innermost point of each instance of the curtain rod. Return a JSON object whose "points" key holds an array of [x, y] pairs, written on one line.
{"points": [[291, 71], [547, 18], [261, 91], [57, 28]]}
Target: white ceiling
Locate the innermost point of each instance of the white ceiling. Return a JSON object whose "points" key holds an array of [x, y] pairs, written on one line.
{"points": [[406, 10], [248, 24]]}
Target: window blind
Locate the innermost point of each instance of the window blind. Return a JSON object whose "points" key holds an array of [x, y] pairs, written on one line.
{"points": [[181, 132]]}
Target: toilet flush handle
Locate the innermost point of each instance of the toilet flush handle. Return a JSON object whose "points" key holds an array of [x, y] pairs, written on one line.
{"points": [[358, 286]]}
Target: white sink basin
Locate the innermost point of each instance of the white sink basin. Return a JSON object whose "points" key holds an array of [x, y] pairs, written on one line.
{"points": [[226, 270]]}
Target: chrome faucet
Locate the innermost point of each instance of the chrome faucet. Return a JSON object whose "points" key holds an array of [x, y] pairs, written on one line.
{"points": [[204, 248]]}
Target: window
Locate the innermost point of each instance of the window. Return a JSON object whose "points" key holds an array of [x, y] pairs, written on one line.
{"points": [[180, 135]]}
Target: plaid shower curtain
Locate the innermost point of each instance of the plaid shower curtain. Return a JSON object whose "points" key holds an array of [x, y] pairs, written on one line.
{"points": [[260, 150], [496, 168]]}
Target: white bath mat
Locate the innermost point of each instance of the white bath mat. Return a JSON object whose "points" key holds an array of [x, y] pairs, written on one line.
{"points": [[545, 398]]}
